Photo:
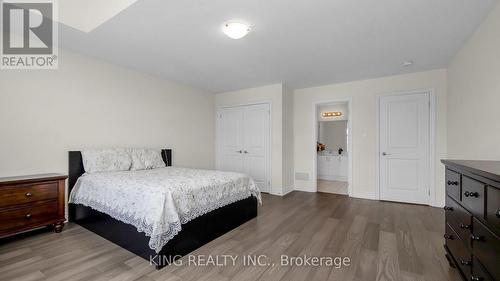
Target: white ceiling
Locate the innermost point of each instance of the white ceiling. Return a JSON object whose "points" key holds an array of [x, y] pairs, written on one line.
{"points": [[301, 43]]}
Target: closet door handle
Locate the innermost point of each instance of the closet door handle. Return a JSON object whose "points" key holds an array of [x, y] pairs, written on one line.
{"points": [[245, 151], [239, 151]]}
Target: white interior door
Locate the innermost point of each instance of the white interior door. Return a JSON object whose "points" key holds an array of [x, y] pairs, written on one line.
{"points": [[404, 148], [244, 142], [231, 140], [256, 144]]}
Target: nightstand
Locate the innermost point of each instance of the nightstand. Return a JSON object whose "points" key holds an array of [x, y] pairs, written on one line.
{"points": [[29, 202]]}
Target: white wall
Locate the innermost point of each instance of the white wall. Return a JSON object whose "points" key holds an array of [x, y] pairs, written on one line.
{"points": [[288, 138], [89, 103], [363, 124], [275, 95], [474, 95]]}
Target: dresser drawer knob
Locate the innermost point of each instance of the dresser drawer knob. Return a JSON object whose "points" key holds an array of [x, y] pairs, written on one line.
{"points": [[464, 262], [28, 216], [29, 194], [446, 208], [475, 278], [448, 236], [471, 194], [452, 182], [477, 238], [465, 226]]}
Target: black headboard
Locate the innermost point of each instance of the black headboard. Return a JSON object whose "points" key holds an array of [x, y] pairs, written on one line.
{"points": [[75, 168]]}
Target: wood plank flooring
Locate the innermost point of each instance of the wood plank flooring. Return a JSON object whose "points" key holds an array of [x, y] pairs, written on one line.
{"points": [[383, 240], [336, 187]]}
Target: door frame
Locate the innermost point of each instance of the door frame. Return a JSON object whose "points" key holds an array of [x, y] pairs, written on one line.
{"points": [[218, 109], [431, 198], [347, 100]]}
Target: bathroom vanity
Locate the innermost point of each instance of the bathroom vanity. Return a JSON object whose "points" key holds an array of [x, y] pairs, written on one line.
{"points": [[332, 167]]}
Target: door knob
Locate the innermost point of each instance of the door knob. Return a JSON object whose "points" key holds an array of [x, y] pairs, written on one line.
{"points": [[385, 153]]}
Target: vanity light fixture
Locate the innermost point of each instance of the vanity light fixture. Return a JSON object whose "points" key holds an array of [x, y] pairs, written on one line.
{"points": [[235, 29], [407, 63], [332, 114]]}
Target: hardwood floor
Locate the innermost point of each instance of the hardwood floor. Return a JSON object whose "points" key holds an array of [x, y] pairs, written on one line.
{"points": [[384, 241], [336, 187]]}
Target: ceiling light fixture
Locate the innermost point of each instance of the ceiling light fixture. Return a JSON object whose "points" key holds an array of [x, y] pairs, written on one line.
{"points": [[235, 30], [407, 63]]}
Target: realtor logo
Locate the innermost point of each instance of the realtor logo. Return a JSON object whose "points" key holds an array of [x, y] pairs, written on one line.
{"points": [[29, 35]]}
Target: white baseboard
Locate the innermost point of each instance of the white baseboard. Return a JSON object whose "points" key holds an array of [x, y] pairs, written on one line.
{"points": [[364, 195], [332, 178], [305, 189]]}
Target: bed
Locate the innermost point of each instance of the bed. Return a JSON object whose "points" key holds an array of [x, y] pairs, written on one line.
{"points": [[198, 226]]}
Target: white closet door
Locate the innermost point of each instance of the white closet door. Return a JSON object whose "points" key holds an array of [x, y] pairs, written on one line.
{"points": [[244, 142], [231, 141], [256, 144]]}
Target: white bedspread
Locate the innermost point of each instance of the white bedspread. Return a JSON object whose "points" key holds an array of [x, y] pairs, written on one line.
{"points": [[158, 201]]}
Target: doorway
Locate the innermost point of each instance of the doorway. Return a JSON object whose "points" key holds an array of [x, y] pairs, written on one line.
{"points": [[405, 147], [243, 142], [333, 147]]}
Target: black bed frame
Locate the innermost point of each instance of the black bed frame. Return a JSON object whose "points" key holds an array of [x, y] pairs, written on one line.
{"points": [[193, 235]]}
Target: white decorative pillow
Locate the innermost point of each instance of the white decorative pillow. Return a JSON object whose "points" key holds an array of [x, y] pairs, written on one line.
{"points": [[106, 160], [145, 159]]}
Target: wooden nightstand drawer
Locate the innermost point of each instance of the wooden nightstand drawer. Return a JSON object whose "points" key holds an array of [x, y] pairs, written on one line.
{"points": [[15, 195], [27, 216]]}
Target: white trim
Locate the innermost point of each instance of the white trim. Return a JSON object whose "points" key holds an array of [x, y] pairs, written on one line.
{"points": [[350, 150], [331, 178], [218, 108], [432, 139]]}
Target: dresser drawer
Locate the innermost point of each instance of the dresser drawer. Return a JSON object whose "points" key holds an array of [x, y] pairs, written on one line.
{"points": [[453, 183], [479, 273], [473, 198], [486, 246], [15, 195], [459, 251], [493, 208], [18, 218], [459, 219]]}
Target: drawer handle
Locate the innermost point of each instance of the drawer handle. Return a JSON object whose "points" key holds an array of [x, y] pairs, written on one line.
{"points": [[28, 194], [475, 278], [471, 194], [452, 182], [477, 238], [465, 226], [28, 216], [446, 208], [462, 262], [498, 213], [448, 236]]}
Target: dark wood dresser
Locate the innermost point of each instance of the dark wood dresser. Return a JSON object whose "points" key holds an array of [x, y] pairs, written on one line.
{"points": [[472, 209], [28, 202]]}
